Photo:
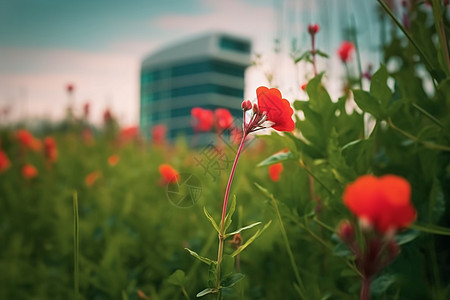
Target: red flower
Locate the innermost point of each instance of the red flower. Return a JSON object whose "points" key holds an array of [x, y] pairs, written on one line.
{"points": [[313, 29], [92, 177], [168, 174], [29, 171], [107, 116], [4, 161], [277, 109], [159, 134], [129, 133], [51, 150], [69, 88], [27, 140], [275, 171], [382, 202], [345, 50], [87, 136], [224, 119], [203, 119], [303, 86], [113, 160], [86, 109]]}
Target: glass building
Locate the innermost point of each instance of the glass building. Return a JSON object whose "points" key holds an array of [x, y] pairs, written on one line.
{"points": [[207, 72]]}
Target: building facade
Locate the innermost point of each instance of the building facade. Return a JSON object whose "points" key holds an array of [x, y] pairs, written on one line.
{"points": [[207, 72]]}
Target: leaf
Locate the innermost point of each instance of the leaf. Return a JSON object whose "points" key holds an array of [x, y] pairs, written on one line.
{"points": [[206, 292], [214, 224], [368, 103], [303, 56], [436, 201], [379, 88], [323, 54], [201, 258], [231, 279], [230, 213], [382, 283], [242, 229], [407, 236], [177, 278], [251, 240], [276, 158], [342, 250]]}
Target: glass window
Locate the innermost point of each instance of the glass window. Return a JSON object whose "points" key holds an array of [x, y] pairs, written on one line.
{"points": [[234, 45]]}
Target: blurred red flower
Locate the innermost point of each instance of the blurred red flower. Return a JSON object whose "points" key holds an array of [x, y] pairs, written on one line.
{"points": [[168, 174], [92, 177], [159, 134], [345, 50], [87, 136], [277, 109], [381, 202], [203, 119], [107, 116], [29, 171], [27, 140], [224, 119], [4, 161], [50, 149], [86, 109], [275, 171], [129, 133], [113, 160], [70, 87], [303, 86]]}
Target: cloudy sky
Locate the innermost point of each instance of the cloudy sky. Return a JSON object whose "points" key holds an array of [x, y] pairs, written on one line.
{"points": [[98, 45]]}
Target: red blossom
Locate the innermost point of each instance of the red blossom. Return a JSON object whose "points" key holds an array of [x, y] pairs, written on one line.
{"points": [[224, 119], [313, 29], [383, 203], [92, 177], [69, 88], [345, 50], [277, 109], [168, 174], [28, 141], [107, 116], [129, 133], [113, 160], [29, 171], [50, 149], [86, 109], [203, 119], [159, 134], [4, 161], [275, 171]]}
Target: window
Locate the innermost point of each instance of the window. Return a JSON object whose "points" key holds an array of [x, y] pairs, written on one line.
{"points": [[234, 45]]}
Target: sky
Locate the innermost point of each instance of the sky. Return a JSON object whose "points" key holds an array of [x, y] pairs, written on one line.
{"points": [[98, 45]]}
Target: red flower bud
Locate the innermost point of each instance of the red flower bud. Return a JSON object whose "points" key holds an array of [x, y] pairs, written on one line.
{"points": [[246, 105], [313, 28], [346, 232]]}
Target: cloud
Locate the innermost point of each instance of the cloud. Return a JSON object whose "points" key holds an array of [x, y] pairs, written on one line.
{"points": [[231, 16]]}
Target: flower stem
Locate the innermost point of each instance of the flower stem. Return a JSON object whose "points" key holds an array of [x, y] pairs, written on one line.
{"points": [[365, 288], [224, 210], [313, 52]]}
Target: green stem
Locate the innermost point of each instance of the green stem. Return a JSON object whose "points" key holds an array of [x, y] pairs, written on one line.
{"points": [[76, 245], [440, 29], [406, 33], [224, 210], [413, 138], [301, 288], [428, 115]]}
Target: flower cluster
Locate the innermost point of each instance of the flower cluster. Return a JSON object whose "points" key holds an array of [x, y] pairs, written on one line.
{"points": [[205, 119]]}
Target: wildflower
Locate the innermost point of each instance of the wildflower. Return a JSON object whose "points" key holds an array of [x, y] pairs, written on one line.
{"points": [[275, 171], [87, 136], [159, 134], [29, 171], [383, 203], [129, 133], [70, 88], [107, 116], [168, 174], [28, 141], [86, 109], [345, 50], [92, 177], [313, 29], [113, 160], [51, 150], [224, 119], [346, 232], [4, 161], [273, 108], [203, 119]]}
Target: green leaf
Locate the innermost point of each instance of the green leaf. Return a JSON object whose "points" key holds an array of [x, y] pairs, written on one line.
{"points": [[342, 250], [382, 283], [201, 258], [177, 278], [379, 88], [242, 229], [276, 158], [303, 56], [436, 201], [406, 236], [231, 279], [230, 213], [251, 240], [211, 220], [323, 54], [368, 103], [206, 292]]}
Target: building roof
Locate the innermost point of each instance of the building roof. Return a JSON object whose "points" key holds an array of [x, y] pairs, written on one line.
{"points": [[207, 45]]}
